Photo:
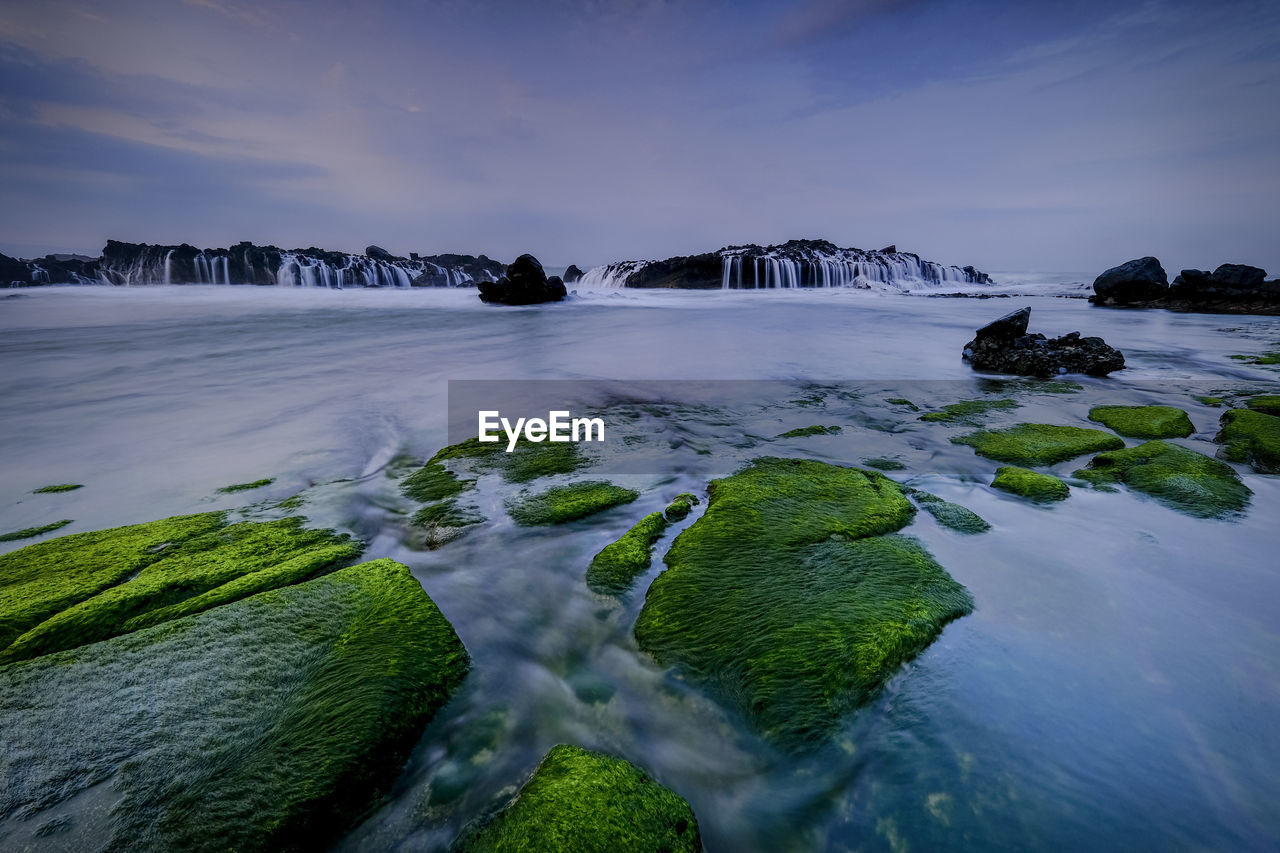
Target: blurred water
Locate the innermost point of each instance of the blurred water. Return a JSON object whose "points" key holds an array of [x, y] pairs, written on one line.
{"points": [[1117, 687]]}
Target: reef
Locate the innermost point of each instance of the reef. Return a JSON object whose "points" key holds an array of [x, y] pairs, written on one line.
{"points": [[32, 532], [1038, 444], [789, 600], [587, 802]]}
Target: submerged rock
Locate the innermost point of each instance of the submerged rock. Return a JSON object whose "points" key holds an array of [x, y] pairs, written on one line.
{"points": [[613, 570], [268, 723], [1041, 488], [680, 507], [1144, 421], [949, 515], [804, 432], [788, 600], [1038, 444], [967, 411], [568, 503], [578, 800], [525, 283], [1005, 347], [1251, 437], [1183, 479]]}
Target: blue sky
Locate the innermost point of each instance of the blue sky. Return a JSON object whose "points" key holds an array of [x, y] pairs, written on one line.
{"points": [[1067, 136]]}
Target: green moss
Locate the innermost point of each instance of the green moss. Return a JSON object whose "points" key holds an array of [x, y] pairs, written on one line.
{"points": [[1042, 488], [616, 566], [586, 802], [271, 723], [59, 487], [529, 461], [31, 532], [1038, 444], [244, 487], [1183, 479], [785, 600], [949, 515], [448, 514], [884, 464], [1251, 437], [968, 411], [680, 507], [1268, 404], [86, 587], [1144, 421], [801, 432], [568, 503], [1260, 358], [903, 401], [293, 502], [432, 482], [1215, 402]]}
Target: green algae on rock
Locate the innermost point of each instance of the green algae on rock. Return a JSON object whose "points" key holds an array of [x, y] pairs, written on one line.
{"points": [[680, 507], [1042, 488], [432, 482], [529, 461], [1144, 421], [613, 570], [31, 533], [1038, 444], [881, 464], [950, 515], [788, 602], [1180, 478], [57, 487], [586, 802], [1214, 402], [568, 503], [1268, 404], [270, 723], [1251, 437], [445, 521], [244, 487], [86, 587], [904, 402], [967, 411], [801, 432]]}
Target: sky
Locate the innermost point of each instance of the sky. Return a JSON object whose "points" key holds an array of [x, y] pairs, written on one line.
{"points": [[1065, 136]]}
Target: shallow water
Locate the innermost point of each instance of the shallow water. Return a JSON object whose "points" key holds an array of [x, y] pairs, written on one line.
{"points": [[1117, 686]]}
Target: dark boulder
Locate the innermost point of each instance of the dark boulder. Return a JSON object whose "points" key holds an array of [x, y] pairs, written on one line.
{"points": [[525, 283], [1132, 282], [892, 248], [572, 274], [1004, 347], [1238, 277], [378, 253]]}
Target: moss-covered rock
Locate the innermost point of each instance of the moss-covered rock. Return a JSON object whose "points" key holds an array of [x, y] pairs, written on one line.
{"points": [[1038, 444], [33, 532], [904, 402], [1042, 488], [1183, 479], [270, 723], [1251, 437], [526, 463], [680, 507], [1266, 358], [801, 432], [586, 802], [568, 503], [1214, 402], [433, 482], [950, 515], [86, 587], [244, 487], [786, 600], [1144, 421], [882, 464], [968, 411], [57, 487], [444, 521], [616, 566], [1268, 404]]}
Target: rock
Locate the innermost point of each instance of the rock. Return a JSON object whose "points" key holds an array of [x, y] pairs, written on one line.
{"points": [[967, 411], [791, 600], [568, 503], [572, 274], [1183, 479], [1033, 485], [525, 283], [1144, 421], [578, 800], [1038, 444], [1008, 327], [613, 570], [1133, 281], [680, 507], [1003, 347], [271, 718], [379, 254], [1252, 437], [949, 515], [1238, 276], [891, 248], [1230, 289]]}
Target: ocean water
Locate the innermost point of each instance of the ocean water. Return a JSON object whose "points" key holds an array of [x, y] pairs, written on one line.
{"points": [[1117, 686]]}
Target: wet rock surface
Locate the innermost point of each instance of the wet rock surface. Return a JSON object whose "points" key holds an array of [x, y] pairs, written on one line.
{"points": [[1004, 346], [1229, 289], [525, 283]]}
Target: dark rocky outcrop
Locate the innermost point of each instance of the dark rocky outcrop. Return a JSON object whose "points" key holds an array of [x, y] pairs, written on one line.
{"points": [[380, 254], [525, 283], [1229, 289], [572, 274], [1004, 346], [51, 269]]}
